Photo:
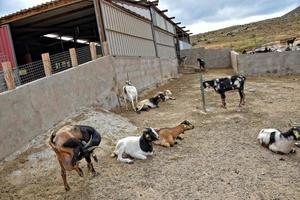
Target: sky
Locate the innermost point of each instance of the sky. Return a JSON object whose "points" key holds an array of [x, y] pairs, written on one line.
{"points": [[199, 15]]}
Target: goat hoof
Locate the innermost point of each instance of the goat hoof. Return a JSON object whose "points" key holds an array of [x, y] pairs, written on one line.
{"points": [[293, 151], [95, 158], [67, 188], [94, 173]]}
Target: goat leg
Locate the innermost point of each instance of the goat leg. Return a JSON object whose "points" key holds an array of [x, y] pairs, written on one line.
{"points": [[64, 176], [79, 171], [223, 99], [179, 137], [90, 165]]}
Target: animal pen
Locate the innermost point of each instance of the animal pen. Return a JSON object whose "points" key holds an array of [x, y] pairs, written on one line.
{"points": [[61, 34]]}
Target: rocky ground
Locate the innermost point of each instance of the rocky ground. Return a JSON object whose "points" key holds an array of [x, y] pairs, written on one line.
{"points": [[219, 159]]}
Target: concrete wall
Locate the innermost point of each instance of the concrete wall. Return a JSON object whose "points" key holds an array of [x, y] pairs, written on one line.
{"points": [[283, 63], [214, 58], [234, 61], [34, 108]]}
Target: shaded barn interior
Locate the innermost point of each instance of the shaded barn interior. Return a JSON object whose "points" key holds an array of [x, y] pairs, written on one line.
{"points": [[54, 31]]}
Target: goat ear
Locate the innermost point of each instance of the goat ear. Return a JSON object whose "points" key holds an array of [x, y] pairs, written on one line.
{"points": [[147, 136], [296, 133]]}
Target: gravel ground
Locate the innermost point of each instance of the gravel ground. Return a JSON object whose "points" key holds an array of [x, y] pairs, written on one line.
{"points": [[219, 159]]}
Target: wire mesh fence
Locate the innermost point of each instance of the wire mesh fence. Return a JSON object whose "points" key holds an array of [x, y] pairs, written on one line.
{"points": [[33, 71], [99, 51], [83, 55], [60, 61]]}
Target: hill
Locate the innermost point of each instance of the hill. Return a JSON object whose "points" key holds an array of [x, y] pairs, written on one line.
{"points": [[252, 35]]}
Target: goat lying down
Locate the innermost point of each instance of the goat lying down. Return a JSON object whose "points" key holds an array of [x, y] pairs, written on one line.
{"points": [[168, 136], [130, 93], [138, 147], [278, 141], [223, 85], [152, 102], [72, 143], [167, 94]]}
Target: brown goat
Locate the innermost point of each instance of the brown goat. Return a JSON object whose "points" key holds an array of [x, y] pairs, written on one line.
{"points": [[72, 143], [168, 136]]}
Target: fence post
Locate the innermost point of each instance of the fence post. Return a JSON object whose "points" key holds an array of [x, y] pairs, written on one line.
{"points": [[47, 64], [73, 56], [8, 75], [105, 48], [93, 50], [202, 93]]}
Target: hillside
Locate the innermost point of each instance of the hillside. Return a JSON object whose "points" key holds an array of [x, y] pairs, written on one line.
{"points": [[252, 35]]}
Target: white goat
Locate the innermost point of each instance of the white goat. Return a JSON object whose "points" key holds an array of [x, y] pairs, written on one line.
{"points": [[279, 142], [130, 93], [136, 146]]}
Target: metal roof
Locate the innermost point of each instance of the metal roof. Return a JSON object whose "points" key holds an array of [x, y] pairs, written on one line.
{"points": [[54, 4]]}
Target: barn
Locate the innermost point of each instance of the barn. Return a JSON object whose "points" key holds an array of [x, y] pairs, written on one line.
{"points": [[117, 27]]}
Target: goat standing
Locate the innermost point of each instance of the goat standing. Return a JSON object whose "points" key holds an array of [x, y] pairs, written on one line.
{"points": [[130, 93], [279, 142], [136, 147], [223, 85], [71, 144]]}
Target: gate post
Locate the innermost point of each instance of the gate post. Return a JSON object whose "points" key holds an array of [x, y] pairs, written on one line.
{"points": [[9, 75]]}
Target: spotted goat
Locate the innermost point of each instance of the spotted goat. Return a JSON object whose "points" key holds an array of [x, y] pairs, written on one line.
{"points": [[279, 142], [222, 85]]}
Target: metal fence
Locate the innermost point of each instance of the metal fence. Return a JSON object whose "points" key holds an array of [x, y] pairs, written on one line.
{"points": [[59, 62], [83, 55]]}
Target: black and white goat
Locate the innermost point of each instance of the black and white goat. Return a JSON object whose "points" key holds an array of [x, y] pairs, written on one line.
{"points": [[152, 102], [138, 147], [279, 142], [223, 85], [130, 93]]}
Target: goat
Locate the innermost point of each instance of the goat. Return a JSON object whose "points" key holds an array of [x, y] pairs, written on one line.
{"points": [[138, 147], [72, 143], [201, 63], [168, 136], [279, 142], [130, 93], [291, 41], [167, 94], [223, 85], [152, 102]]}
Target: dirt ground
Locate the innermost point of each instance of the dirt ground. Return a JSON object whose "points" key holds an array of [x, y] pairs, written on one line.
{"points": [[219, 159]]}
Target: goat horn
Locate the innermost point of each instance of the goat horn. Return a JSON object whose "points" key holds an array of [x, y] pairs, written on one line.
{"points": [[88, 144]]}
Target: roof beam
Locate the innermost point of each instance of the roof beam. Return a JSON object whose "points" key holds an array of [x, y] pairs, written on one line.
{"points": [[178, 23], [163, 11], [171, 17], [56, 16]]}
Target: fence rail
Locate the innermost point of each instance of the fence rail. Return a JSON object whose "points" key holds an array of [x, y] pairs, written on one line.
{"points": [[27, 73]]}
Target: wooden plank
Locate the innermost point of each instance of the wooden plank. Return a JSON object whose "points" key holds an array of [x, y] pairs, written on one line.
{"points": [[47, 64], [8, 75], [93, 50], [73, 56]]}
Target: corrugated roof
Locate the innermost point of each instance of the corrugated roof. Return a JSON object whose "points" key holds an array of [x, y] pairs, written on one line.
{"points": [[53, 4]]}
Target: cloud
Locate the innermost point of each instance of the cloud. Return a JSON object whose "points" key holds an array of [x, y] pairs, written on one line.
{"points": [[202, 16], [202, 26]]}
